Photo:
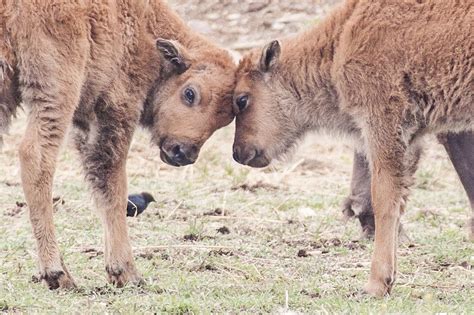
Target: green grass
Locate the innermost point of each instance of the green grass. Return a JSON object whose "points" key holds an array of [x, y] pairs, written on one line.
{"points": [[271, 215]]}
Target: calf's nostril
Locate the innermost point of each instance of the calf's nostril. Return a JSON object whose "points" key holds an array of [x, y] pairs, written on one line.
{"points": [[177, 151], [250, 155], [236, 154]]}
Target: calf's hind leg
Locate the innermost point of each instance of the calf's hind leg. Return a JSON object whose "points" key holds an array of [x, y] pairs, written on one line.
{"points": [[104, 152], [460, 148]]}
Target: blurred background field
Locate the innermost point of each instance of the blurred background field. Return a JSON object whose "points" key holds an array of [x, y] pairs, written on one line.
{"points": [[223, 238]]}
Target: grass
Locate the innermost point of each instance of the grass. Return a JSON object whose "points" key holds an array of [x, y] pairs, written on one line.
{"points": [[272, 215]]}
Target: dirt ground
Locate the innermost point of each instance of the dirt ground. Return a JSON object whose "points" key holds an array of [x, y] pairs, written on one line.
{"points": [[223, 238]]}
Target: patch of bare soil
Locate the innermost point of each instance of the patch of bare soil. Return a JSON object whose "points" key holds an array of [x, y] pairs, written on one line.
{"points": [[223, 230], [253, 188], [217, 212]]}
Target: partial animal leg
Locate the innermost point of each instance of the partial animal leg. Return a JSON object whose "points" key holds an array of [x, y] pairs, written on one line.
{"points": [[104, 152], [390, 181], [51, 106], [359, 203], [52, 51], [460, 148]]}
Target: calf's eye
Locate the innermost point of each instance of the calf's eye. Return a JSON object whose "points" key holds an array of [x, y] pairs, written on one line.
{"points": [[242, 102], [189, 96]]}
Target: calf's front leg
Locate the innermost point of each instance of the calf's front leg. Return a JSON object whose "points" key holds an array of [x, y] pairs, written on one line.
{"points": [[104, 158], [387, 202], [51, 91], [392, 167], [38, 154], [359, 203]]}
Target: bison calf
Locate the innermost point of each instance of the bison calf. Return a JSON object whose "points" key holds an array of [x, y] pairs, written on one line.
{"points": [[385, 73], [97, 66]]}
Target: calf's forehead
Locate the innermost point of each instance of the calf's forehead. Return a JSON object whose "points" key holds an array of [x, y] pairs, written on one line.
{"points": [[216, 77], [249, 62], [244, 84]]}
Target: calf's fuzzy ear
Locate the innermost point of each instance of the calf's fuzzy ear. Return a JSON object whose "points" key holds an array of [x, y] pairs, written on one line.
{"points": [[270, 56], [174, 54]]}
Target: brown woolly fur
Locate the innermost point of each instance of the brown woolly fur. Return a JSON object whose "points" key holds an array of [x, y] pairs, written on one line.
{"points": [[385, 73], [102, 68]]}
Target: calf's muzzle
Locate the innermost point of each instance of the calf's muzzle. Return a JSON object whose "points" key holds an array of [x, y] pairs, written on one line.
{"points": [[250, 155], [179, 153]]}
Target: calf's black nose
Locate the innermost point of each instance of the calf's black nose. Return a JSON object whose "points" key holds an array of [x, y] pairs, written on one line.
{"points": [[177, 152], [244, 155]]}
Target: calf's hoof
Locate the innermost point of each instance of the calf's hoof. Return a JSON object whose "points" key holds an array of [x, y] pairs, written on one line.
{"points": [[363, 212], [367, 233], [347, 212], [121, 276], [60, 279], [377, 288]]}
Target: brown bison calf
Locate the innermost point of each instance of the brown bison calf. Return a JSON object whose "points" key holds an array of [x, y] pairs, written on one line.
{"points": [[99, 68], [385, 73]]}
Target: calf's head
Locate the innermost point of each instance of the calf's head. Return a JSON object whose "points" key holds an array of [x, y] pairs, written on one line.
{"points": [[192, 100], [266, 123]]}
